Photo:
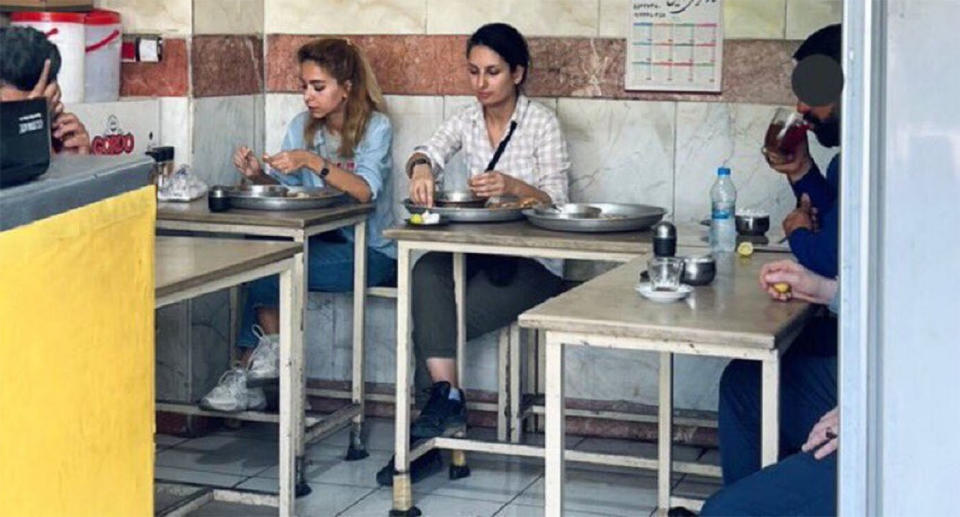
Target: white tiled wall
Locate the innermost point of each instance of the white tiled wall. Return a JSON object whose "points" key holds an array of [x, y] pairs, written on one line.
{"points": [[345, 17], [531, 17], [228, 16], [806, 16], [220, 125], [169, 17], [176, 127]]}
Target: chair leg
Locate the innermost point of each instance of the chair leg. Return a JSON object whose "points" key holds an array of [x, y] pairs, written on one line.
{"points": [[503, 364], [516, 345]]}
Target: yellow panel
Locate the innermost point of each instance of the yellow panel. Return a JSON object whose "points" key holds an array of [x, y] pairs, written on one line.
{"points": [[77, 362]]}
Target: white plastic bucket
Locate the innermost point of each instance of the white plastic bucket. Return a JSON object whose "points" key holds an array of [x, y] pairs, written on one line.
{"points": [[66, 31], [103, 41]]}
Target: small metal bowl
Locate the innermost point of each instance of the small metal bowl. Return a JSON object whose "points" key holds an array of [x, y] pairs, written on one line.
{"points": [[218, 198], [260, 191], [570, 211], [459, 199], [699, 270], [749, 224]]}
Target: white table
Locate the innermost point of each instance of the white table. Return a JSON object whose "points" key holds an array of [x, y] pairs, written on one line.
{"points": [[298, 225], [187, 267], [732, 318]]}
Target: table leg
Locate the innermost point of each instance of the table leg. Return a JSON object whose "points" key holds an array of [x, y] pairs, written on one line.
{"points": [[298, 389], [515, 365], [357, 448], [503, 364], [402, 490], [770, 412], [459, 296], [665, 432], [291, 412], [555, 426], [532, 364]]}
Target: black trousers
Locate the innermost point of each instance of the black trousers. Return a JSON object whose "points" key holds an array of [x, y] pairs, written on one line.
{"points": [[498, 289]]}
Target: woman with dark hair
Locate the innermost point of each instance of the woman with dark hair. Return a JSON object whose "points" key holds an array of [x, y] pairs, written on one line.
{"points": [[343, 140], [512, 147]]}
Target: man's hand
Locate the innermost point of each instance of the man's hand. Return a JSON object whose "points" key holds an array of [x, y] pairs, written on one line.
{"points": [[804, 216], [804, 284], [824, 434], [795, 166], [422, 185], [72, 134]]}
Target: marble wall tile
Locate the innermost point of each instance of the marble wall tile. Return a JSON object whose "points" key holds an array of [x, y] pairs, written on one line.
{"points": [[759, 19], [719, 134], [414, 120], [532, 18], [228, 16], [345, 17], [176, 127], [220, 125], [279, 110], [168, 78], [614, 18], [804, 17], [622, 152], [151, 16], [575, 67], [227, 65], [259, 127]]}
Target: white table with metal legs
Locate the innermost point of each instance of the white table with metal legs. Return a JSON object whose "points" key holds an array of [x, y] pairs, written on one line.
{"points": [[187, 267], [732, 318], [298, 225]]}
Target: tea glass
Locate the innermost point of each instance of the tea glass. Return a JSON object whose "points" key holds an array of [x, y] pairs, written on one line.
{"points": [[787, 130], [665, 273]]}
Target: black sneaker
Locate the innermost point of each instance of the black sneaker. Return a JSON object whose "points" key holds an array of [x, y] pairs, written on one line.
{"points": [[440, 413], [423, 467]]}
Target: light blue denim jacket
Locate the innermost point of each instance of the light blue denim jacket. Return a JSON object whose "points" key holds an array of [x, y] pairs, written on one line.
{"points": [[371, 161]]}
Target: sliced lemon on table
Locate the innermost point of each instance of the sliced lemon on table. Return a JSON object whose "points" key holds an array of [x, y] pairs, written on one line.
{"points": [[745, 249], [416, 219]]}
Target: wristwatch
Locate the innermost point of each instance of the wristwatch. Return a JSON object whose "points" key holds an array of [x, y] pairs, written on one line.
{"points": [[325, 170], [419, 161]]}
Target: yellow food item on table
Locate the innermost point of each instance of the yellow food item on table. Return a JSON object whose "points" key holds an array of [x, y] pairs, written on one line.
{"points": [[416, 219], [745, 249], [781, 287]]}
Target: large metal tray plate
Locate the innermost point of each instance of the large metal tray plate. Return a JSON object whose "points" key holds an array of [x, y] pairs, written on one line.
{"points": [[614, 217], [469, 215], [296, 198]]}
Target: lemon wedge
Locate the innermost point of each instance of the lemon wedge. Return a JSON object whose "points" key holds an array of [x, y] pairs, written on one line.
{"points": [[781, 287], [745, 249], [416, 219]]}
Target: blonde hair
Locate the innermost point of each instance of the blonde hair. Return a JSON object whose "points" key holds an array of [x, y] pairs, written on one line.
{"points": [[345, 62]]}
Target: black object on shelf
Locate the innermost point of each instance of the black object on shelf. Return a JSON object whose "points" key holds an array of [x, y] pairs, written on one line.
{"points": [[24, 140]]}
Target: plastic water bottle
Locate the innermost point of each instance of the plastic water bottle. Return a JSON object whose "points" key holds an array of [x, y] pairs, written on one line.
{"points": [[723, 205]]}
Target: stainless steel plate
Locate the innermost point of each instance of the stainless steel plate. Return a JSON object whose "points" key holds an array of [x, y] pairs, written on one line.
{"points": [[468, 215], [614, 217], [296, 198]]}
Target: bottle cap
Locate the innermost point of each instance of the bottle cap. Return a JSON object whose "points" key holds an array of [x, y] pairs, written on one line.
{"points": [[723, 171]]}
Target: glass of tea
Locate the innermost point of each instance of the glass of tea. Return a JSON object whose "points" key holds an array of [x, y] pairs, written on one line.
{"points": [[665, 273], [786, 132]]}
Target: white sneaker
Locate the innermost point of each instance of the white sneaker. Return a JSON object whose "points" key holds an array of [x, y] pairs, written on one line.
{"points": [[265, 359], [230, 393], [256, 399]]}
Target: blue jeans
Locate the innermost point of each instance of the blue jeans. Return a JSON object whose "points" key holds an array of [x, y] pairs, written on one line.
{"points": [[798, 484], [329, 269]]}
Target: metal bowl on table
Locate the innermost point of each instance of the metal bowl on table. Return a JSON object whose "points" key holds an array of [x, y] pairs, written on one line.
{"points": [[459, 199], [259, 191], [752, 224], [569, 211], [700, 270]]}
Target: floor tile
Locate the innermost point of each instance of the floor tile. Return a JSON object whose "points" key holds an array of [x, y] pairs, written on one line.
{"points": [[224, 509], [196, 477], [167, 495], [335, 470], [492, 478], [324, 500], [225, 455], [521, 510], [164, 441], [265, 431], [697, 487], [379, 503], [379, 434], [601, 492]]}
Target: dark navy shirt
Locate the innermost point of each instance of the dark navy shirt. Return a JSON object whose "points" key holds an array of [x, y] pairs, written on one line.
{"points": [[818, 251]]}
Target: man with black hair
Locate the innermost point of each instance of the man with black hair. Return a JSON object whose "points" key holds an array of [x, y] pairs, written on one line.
{"points": [[29, 64], [804, 482]]}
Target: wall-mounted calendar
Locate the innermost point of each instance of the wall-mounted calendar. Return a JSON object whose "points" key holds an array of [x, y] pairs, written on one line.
{"points": [[675, 45]]}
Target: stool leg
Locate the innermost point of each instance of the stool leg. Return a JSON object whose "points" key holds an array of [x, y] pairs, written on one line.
{"points": [[458, 460], [503, 364], [515, 366]]}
